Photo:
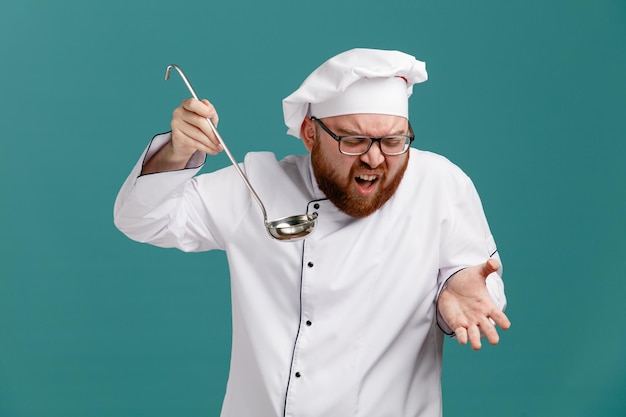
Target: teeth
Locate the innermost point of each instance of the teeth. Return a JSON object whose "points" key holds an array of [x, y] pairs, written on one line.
{"points": [[367, 177]]}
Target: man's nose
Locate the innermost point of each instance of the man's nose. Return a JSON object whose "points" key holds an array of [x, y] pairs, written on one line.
{"points": [[374, 156]]}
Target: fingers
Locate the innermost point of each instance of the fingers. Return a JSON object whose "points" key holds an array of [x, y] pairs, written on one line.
{"points": [[500, 319], [203, 108], [489, 331], [187, 134], [486, 328], [471, 334], [489, 267], [191, 130], [461, 335]]}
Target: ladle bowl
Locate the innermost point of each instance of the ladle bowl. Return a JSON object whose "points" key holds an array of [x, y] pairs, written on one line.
{"points": [[284, 229], [292, 227]]}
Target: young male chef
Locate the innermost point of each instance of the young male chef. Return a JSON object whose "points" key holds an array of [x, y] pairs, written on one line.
{"points": [[350, 320]]}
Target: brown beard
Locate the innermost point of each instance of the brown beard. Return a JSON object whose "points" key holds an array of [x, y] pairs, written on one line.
{"points": [[339, 191]]}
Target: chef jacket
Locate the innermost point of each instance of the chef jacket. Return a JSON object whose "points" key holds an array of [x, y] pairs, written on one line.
{"points": [[343, 322]]}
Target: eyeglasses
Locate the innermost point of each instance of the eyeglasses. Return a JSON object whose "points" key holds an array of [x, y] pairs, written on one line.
{"points": [[355, 145]]}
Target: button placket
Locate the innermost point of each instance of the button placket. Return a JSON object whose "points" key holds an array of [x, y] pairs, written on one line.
{"points": [[299, 361]]}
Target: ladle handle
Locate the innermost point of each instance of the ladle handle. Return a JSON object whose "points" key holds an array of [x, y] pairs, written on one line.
{"points": [[219, 138]]}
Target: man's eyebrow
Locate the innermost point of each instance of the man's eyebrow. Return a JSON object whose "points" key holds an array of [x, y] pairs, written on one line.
{"points": [[349, 132]]}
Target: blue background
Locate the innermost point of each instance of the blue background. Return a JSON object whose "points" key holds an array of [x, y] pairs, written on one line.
{"points": [[527, 97]]}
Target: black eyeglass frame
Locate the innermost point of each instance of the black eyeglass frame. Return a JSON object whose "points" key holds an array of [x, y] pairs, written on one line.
{"points": [[410, 137]]}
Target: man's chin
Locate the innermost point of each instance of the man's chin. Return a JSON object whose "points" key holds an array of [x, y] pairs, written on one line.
{"points": [[360, 212], [357, 205]]}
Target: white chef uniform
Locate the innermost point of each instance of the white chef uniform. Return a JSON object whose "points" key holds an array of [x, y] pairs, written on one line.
{"points": [[342, 323]]}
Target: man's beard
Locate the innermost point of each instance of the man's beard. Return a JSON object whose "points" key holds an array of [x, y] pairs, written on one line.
{"points": [[340, 191]]}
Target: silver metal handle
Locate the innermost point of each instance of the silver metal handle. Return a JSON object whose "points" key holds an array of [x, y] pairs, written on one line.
{"points": [[219, 138]]}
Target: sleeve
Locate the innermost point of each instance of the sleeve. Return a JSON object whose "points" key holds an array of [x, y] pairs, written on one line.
{"points": [[467, 241], [164, 209]]}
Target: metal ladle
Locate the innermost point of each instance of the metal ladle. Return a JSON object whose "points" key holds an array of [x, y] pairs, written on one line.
{"points": [[286, 228]]}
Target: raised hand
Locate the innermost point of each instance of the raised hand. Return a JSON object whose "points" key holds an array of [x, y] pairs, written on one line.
{"points": [[191, 133], [466, 306]]}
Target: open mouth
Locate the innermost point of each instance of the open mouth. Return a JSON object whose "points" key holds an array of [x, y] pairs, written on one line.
{"points": [[365, 183]]}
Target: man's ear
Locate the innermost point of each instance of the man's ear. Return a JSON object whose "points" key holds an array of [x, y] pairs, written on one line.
{"points": [[308, 133]]}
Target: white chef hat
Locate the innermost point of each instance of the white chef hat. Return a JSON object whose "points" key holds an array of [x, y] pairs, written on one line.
{"points": [[355, 81]]}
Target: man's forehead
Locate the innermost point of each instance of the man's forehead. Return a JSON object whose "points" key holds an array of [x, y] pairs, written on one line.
{"points": [[366, 122]]}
